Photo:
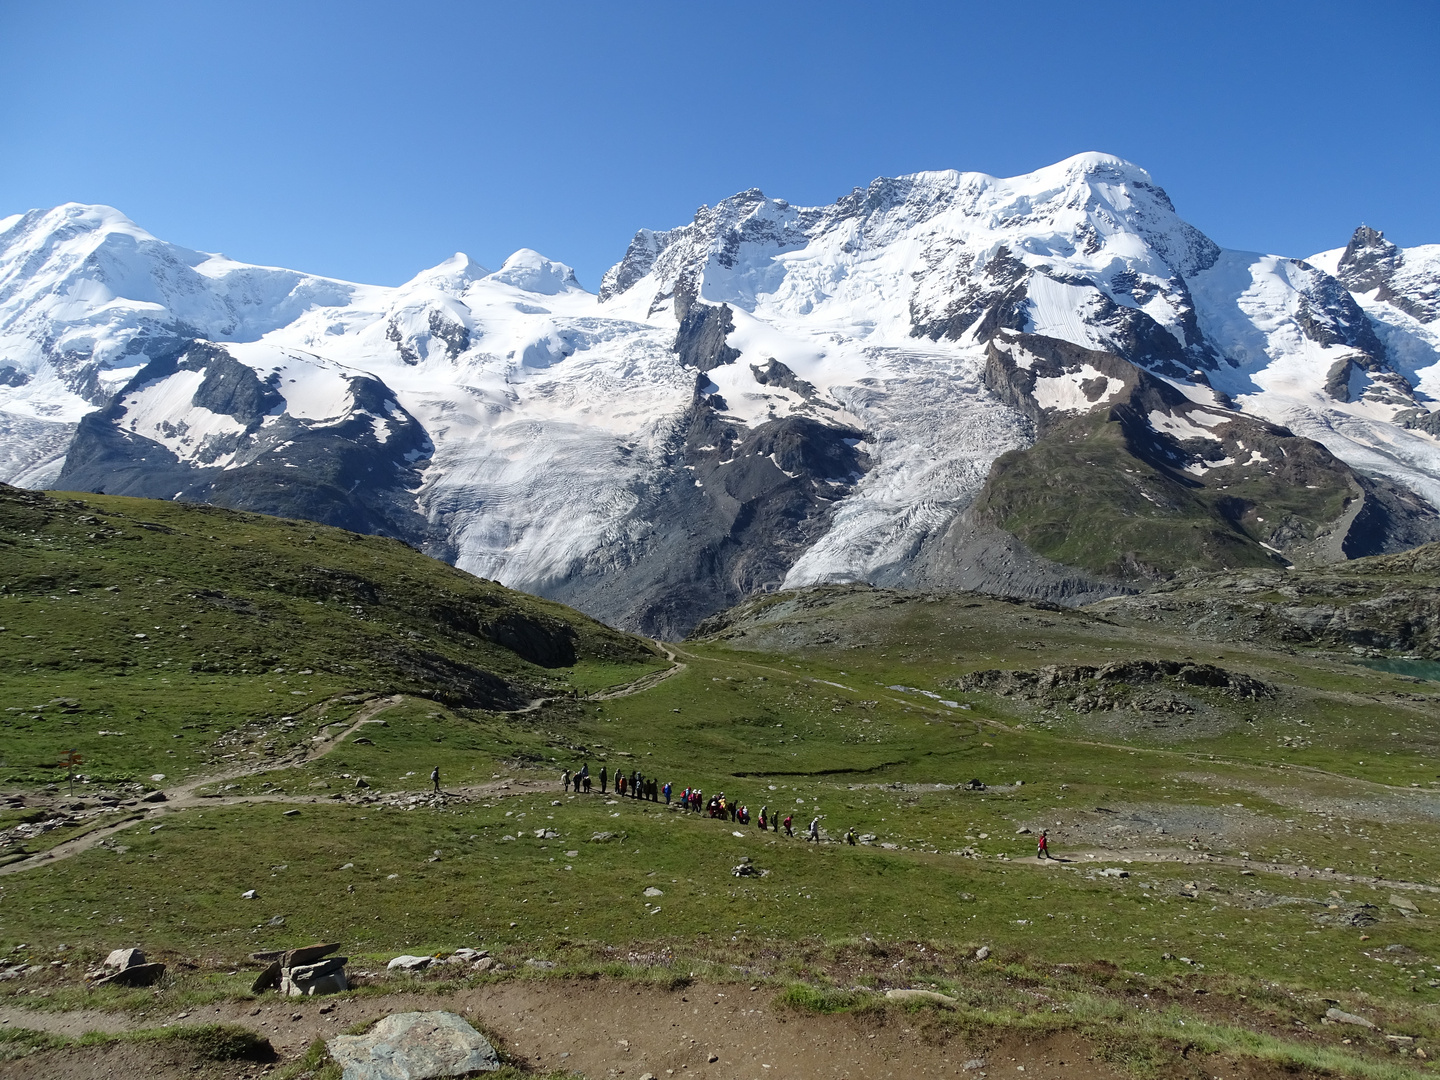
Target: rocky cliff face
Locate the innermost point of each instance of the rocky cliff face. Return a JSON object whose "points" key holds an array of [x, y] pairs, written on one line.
{"points": [[910, 384]]}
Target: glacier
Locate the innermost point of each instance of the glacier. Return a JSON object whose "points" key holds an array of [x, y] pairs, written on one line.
{"points": [[765, 397]]}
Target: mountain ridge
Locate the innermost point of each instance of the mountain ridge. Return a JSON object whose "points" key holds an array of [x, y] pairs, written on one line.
{"points": [[767, 396]]}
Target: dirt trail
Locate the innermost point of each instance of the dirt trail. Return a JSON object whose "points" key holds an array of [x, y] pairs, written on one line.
{"points": [[645, 682], [606, 1028], [186, 796]]}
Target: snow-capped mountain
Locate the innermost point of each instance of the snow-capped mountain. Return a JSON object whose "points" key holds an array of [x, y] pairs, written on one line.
{"points": [[767, 395]]}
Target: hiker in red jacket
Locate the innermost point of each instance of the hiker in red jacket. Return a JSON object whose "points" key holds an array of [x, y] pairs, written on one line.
{"points": [[1042, 845]]}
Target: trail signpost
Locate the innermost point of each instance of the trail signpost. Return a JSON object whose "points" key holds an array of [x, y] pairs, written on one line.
{"points": [[69, 759]]}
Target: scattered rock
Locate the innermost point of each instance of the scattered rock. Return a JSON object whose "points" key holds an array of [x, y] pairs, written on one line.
{"points": [[653, 891], [410, 963], [973, 1064], [1404, 903], [414, 1046], [485, 963], [982, 952], [155, 797], [602, 838], [713, 1058], [291, 813], [1336, 1016], [248, 894]]}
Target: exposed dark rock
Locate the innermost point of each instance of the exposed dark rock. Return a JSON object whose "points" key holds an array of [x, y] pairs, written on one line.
{"points": [[774, 373], [700, 341], [546, 645], [1108, 492], [993, 302], [336, 473], [1369, 262], [1138, 685], [734, 511], [1420, 420]]}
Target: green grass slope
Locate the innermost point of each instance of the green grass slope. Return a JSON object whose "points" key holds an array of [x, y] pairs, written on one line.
{"points": [[1229, 860], [1088, 495], [151, 636]]}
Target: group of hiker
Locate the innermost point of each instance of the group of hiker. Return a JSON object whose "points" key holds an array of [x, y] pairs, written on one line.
{"points": [[637, 785]]}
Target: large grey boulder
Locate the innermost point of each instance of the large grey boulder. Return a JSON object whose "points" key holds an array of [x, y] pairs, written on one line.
{"points": [[134, 975], [121, 959], [323, 977], [414, 1046]]}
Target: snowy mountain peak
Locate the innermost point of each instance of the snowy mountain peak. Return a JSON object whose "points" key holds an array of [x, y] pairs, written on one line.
{"points": [[766, 393], [454, 275], [532, 272], [1369, 260]]}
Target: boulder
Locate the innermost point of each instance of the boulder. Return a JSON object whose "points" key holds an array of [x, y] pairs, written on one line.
{"points": [[410, 963], [308, 980], [1336, 1016], [269, 979], [120, 959], [135, 975], [1404, 903], [414, 1046], [307, 954]]}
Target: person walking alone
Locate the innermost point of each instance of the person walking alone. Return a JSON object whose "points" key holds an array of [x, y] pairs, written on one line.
{"points": [[814, 831], [1042, 845], [435, 778]]}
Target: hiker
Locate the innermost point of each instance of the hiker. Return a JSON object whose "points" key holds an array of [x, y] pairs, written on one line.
{"points": [[1042, 845], [814, 830], [850, 837], [619, 783], [789, 818], [602, 779], [764, 817], [585, 778], [667, 789], [435, 778], [565, 779]]}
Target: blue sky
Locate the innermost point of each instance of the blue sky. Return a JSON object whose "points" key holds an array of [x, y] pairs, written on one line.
{"points": [[369, 140]]}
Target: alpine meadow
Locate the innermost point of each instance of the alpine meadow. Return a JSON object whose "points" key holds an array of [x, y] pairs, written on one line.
{"points": [[978, 626]]}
